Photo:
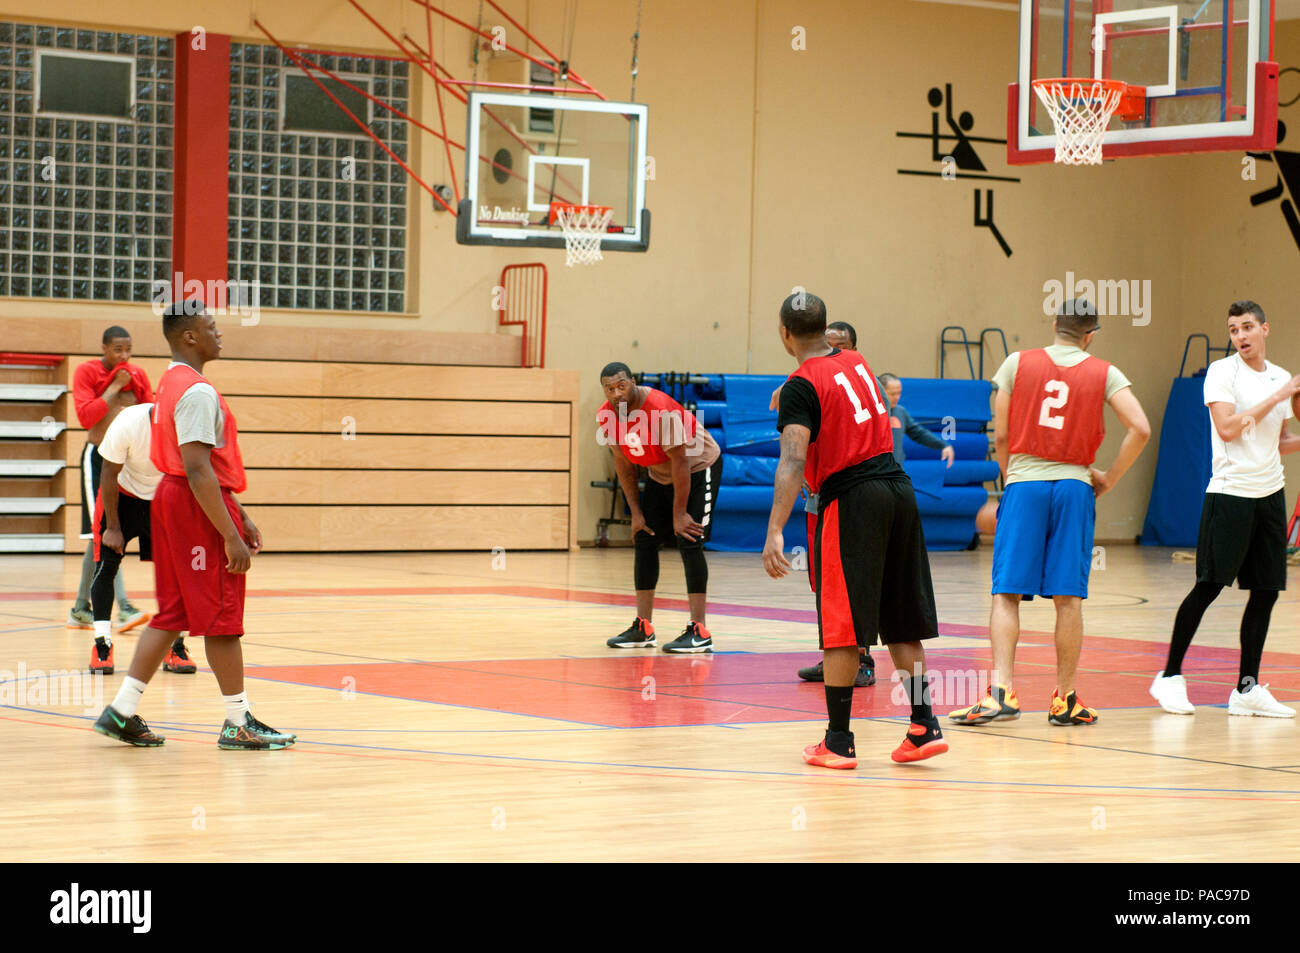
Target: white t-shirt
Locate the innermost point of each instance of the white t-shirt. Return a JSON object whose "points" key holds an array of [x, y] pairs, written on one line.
{"points": [[198, 416], [1249, 466], [127, 442]]}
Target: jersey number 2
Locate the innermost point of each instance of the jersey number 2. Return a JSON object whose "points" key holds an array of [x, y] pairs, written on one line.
{"points": [[1061, 390], [859, 412]]}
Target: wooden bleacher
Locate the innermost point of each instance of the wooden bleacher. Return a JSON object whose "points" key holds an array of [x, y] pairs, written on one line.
{"points": [[370, 455]]}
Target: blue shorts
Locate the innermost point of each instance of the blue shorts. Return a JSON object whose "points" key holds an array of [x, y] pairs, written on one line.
{"points": [[1043, 543]]}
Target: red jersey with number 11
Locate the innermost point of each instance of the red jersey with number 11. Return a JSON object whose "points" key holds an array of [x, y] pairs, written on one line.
{"points": [[1056, 412], [854, 415]]}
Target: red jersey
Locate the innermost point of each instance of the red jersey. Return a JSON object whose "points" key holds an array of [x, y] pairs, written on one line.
{"points": [[1056, 412], [90, 381], [644, 432], [165, 451], [855, 423]]}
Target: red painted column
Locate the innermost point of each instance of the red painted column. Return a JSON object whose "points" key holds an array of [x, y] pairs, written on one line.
{"points": [[201, 157]]}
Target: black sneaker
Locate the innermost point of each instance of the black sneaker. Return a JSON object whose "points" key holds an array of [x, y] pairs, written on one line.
{"points": [[132, 731], [266, 729], [694, 640], [640, 634], [249, 736], [866, 673]]}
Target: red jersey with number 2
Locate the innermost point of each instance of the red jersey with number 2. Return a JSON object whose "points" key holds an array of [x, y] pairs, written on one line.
{"points": [[855, 417], [1056, 412]]}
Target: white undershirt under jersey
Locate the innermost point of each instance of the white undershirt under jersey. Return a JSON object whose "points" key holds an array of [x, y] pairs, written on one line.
{"points": [[198, 416], [126, 442], [1250, 465]]}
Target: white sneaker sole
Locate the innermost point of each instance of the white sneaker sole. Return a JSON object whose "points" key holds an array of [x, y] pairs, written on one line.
{"points": [[690, 650], [632, 645], [1172, 708], [1242, 710]]}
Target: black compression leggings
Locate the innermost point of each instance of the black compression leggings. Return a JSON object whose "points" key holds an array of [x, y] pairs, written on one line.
{"points": [[1254, 630], [645, 564]]}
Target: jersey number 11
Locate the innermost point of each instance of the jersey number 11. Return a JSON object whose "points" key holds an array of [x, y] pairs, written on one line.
{"points": [[859, 412]]}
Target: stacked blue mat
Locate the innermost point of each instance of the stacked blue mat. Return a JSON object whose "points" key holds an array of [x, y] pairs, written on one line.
{"points": [[734, 409]]}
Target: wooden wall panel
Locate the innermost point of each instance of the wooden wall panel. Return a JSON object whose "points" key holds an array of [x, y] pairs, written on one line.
{"points": [[338, 487]]}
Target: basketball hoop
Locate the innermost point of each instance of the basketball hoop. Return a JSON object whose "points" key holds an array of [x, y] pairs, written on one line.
{"points": [[1081, 110], [583, 226]]}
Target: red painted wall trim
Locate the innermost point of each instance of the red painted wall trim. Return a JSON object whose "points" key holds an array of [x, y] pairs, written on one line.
{"points": [[201, 159]]}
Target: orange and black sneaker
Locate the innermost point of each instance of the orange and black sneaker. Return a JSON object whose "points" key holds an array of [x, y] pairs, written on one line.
{"points": [[131, 730], [1070, 711], [178, 660], [640, 634], [694, 640], [998, 704], [101, 657], [923, 740], [836, 750]]}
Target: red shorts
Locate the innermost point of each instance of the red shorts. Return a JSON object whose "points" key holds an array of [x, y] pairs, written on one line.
{"points": [[195, 593]]}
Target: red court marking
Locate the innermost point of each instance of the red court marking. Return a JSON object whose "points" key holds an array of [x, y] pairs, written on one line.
{"points": [[656, 690]]}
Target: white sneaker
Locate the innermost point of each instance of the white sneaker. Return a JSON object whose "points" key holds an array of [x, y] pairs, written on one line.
{"points": [[1171, 693], [1258, 701]]}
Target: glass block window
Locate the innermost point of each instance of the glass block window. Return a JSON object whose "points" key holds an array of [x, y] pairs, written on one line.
{"points": [[317, 220], [85, 202]]}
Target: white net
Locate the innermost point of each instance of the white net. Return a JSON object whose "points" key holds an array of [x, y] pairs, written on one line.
{"points": [[583, 226], [1081, 111]]}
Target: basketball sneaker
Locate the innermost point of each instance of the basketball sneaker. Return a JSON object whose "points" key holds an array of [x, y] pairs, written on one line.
{"points": [[266, 729], [129, 617], [178, 660], [132, 731], [998, 704], [1171, 693], [80, 619], [923, 740], [1259, 701], [1070, 711], [866, 673], [694, 640], [836, 750], [101, 657], [640, 634], [252, 735]]}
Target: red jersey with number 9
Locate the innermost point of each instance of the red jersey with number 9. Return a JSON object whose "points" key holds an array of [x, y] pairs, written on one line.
{"points": [[855, 417], [1056, 412], [641, 434]]}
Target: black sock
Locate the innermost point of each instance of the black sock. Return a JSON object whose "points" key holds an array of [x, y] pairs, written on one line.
{"points": [[918, 693], [839, 706], [864, 658], [1186, 622], [1254, 630]]}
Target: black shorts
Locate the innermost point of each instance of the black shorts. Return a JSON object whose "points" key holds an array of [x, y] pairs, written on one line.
{"points": [[869, 568], [657, 504], [91, 463], [133, 519], [1243, 539]]}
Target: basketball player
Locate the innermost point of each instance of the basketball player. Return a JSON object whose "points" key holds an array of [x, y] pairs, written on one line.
{"points": [[646, 427], [1243, 519], [868, 563], [202, 539], [128, 482], [1048, 424], [100, 390]]}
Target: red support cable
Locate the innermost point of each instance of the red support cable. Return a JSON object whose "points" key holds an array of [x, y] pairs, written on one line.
{"points": [[538, 89], [542, 46], [442, 116], [360, 125]]}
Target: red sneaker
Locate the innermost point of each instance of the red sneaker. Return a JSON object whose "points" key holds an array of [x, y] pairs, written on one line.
{"points": [[101, 658], [923, 740], [178, 660], [824, 757]]}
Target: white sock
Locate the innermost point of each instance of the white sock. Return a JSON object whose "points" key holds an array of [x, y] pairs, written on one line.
{"points": [[236, 707], [128, 697], [104, 630]]}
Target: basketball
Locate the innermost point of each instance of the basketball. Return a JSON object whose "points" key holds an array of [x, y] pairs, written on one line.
{"points": [[986, 520]]}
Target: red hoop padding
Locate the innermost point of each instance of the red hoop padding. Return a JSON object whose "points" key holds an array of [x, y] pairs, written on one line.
{"points": [[556, 207]]}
